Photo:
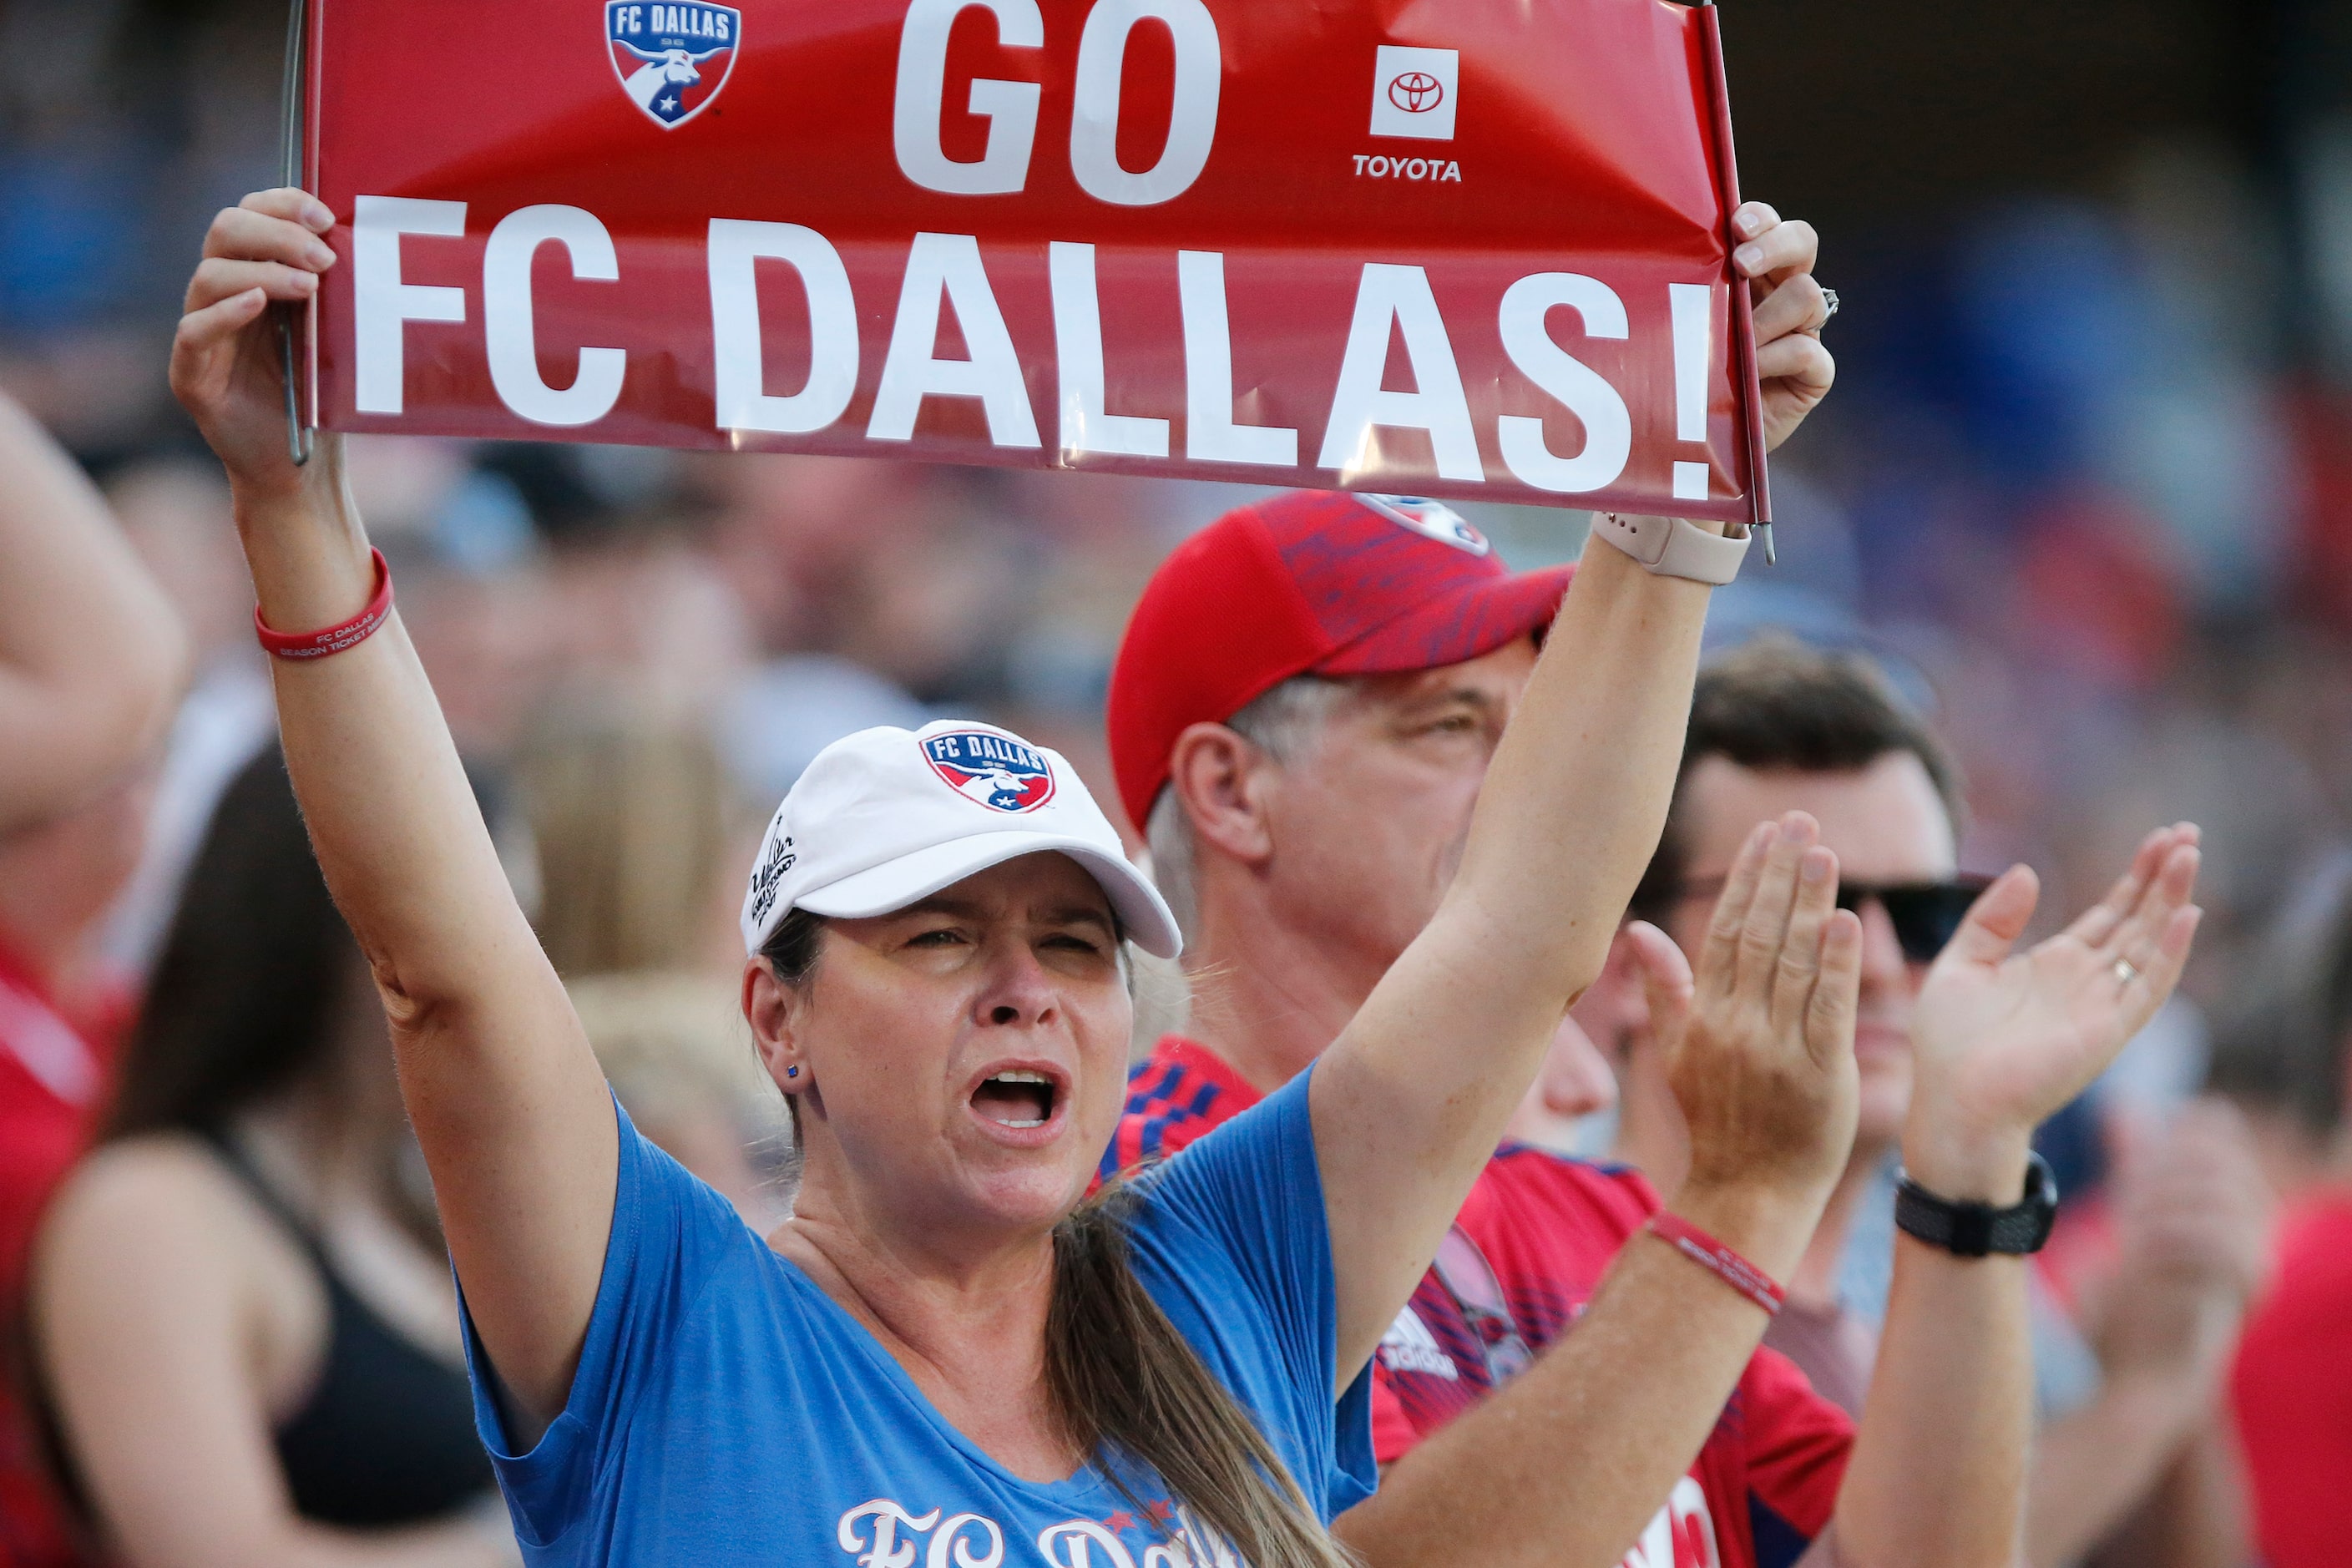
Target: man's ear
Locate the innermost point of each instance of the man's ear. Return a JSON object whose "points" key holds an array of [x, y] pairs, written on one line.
{"points": [[769, 1006], [1223, 782]]}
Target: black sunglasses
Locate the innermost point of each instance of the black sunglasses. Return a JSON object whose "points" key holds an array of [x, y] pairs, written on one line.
{"points": [[1925, 915]]}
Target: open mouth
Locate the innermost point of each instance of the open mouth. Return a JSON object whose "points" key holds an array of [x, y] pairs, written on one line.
{"points": [[1015, 1098]]}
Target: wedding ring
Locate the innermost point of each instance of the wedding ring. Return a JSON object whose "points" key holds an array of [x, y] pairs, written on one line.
{"points": [[1829, 303], [2125, 971]]}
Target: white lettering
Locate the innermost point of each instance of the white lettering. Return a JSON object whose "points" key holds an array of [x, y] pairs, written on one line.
{"points": [[382, 304], [1193, 118], [887, 1551], [1693, 313], [1608, 430], [1082, 1535], [508, 329], [1694, 328], [964, 1556], [946, 267], [1009, 107], [1079, 352], [1452, 173], [1360, 160], [1206, 1547], [743, 403], [1400, 297], [1417, 170], [1210, 432]]}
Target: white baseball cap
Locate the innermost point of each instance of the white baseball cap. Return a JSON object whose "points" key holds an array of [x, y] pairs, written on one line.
{"points": [[887, 816]]}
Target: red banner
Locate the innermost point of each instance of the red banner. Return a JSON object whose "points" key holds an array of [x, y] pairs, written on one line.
{"points": [[1473, 250]]}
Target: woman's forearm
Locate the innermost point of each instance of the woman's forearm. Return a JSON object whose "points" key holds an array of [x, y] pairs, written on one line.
{"points": [[504, 1095], [391, 814], [1409, 1103], [1576, 796]]}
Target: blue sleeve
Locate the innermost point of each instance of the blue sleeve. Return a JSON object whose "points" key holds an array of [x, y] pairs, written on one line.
{"points": [[669, 1232], [1240, 1213]]}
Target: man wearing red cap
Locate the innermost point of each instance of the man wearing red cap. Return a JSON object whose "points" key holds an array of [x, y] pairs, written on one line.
{"points": [[1301, 718]]}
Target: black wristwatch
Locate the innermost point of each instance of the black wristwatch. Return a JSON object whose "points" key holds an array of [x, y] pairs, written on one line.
{"points": [[1972, 1230]]}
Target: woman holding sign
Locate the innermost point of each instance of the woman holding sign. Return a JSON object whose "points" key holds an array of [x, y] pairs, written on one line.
{"points": [[946, 1356]]}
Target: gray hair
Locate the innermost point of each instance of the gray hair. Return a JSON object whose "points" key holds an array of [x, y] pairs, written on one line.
{"points": [[1285, 721]]}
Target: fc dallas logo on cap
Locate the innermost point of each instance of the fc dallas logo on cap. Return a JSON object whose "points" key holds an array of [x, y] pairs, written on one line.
{"points": [[991, 768], [1431, 518]]}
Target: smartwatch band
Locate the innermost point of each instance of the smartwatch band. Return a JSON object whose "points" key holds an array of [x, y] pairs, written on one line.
{"points": [[1674, 546], [1976, 1229]]}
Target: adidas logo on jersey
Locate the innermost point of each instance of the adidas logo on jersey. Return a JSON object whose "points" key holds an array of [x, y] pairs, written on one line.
{"points": [[1409, 1346]]}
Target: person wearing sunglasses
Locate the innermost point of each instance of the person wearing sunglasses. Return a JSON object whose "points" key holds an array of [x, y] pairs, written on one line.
{"points": [[1777, 726], [1304, 716]]}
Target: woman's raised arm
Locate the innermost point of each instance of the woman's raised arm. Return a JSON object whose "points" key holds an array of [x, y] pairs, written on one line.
{"points": [[504, 1092], [92, 655], [1409, 1102]]}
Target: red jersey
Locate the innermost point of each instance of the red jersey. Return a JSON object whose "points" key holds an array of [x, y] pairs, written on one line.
{"points": [[49, 1083], [2293, 1390], [1542, 1230]]}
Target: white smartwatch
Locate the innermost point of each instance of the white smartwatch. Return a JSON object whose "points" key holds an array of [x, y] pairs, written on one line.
{"points": [[1674, 547]]}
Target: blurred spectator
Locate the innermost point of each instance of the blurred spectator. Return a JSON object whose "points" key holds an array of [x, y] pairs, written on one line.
{"points": [[2150, 1472], [2287, 1055], [59, 1016], [243, 1317], [176, 513], [1779, 727], [681, 1061], [90, 658], [638, 841], [91, 655]]}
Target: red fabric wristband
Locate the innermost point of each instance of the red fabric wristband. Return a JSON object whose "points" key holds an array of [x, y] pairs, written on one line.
{"points": [[1718, 1259], [336, 638]]}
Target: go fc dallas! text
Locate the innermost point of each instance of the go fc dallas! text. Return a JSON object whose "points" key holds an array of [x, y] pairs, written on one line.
{"points": [[945, 286]]}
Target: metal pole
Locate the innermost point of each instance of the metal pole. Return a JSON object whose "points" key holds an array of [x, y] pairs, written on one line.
{"points": [[1743, 299], [290, 172]]}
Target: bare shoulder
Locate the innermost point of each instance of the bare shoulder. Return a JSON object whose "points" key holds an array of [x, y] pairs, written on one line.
{"points": [[158, 1211]]}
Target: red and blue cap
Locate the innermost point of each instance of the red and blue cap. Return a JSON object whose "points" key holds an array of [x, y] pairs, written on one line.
{"points": [[1309, 582]]}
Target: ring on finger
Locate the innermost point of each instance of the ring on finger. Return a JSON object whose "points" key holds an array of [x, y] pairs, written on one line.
{"points": [[2126, 972], [1829, 305]]}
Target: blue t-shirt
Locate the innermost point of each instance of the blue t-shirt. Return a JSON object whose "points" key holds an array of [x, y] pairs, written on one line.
{"points": [[726, 1410]]}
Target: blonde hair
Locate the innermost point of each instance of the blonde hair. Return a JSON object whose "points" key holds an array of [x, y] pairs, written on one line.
{"points": [[631, 816]]}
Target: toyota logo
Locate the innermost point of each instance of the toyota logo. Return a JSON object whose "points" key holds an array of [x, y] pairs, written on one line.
{"points": [[1416, 93]]}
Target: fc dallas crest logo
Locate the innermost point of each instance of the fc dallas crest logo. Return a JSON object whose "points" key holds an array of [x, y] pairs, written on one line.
{"points": [[672, 59], [991, 768]]}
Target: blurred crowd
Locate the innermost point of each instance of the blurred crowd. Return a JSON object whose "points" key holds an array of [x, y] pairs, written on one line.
{"points": [[2080, 494]]}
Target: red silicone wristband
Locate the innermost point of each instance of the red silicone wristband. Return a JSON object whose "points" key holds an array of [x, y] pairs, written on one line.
{"points": [[1719, 1260], [337, 638]]}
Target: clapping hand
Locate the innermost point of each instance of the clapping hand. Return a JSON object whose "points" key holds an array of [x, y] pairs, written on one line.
{"points": [[2004, 1038], [1758, 1044]]}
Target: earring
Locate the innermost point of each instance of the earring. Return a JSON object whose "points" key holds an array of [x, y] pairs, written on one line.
{"points": [[791, 1072]]}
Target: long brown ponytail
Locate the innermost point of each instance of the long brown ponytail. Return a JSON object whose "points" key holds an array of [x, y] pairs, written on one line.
{"points": [[1122, 1378], [1125, 1383]]}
